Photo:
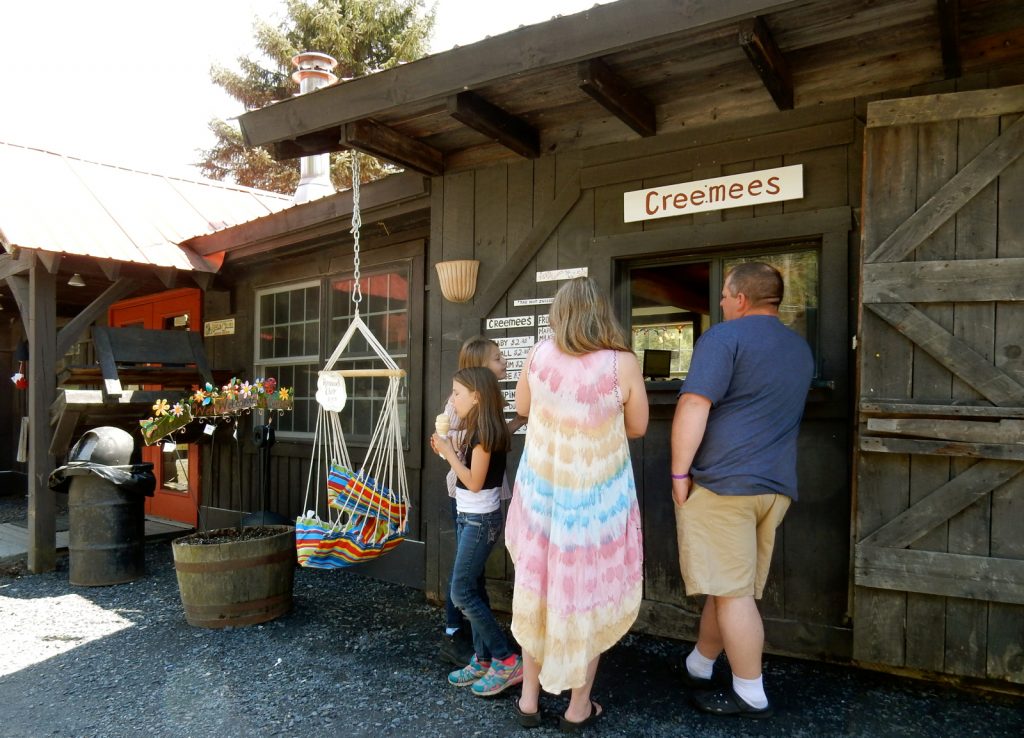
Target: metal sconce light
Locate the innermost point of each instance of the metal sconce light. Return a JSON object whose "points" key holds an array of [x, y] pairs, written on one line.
{"points": [[76, 280]]}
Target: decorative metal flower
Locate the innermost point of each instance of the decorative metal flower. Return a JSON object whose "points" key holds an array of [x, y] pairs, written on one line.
{"points": [[245, 390], [160, 407], [283, 393], [270, 384], [178, 410]]}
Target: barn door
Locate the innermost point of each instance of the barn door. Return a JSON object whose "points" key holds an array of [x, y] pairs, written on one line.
{"points": [[939, 524]]}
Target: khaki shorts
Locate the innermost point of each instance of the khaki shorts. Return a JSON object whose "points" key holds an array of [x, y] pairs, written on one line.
{"points": [[726, 541]]}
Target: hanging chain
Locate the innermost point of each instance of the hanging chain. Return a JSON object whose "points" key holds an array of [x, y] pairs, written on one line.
{"points": [[357, 222]]}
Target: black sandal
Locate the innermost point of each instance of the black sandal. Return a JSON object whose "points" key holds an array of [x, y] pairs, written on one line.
{"points": [[727, 702], [527, 719], [568, 726]]}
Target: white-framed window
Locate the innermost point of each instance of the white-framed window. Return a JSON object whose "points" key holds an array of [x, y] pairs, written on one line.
{"points": [[385, 310], [289, 322], [288, 348]]}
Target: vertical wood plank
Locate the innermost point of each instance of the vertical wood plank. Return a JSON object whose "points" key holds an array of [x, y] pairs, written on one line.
{"points": [[42, 388], [974, 323], [883, 479], [431, 494], [931, 383], [1006, 622]]}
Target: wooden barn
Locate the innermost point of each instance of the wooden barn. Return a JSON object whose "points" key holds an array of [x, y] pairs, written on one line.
{"points": [[871, 149]]}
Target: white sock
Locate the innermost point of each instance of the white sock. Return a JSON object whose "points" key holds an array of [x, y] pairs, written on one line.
{"points": [[450, 631], [750, 691], [699, 665]]}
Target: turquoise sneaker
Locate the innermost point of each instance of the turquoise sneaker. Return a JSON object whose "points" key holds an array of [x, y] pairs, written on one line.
{"points": [[499, 678], [469, 674]]}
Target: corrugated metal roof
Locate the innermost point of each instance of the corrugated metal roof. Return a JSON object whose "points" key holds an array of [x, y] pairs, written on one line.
{"points": [[66, 205]]}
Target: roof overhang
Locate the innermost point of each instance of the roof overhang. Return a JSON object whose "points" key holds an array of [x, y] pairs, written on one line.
{"points": [[636, 67]]}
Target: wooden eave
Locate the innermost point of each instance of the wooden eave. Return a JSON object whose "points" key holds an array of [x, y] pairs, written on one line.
{"points": [[686, 59], [397, 203]]}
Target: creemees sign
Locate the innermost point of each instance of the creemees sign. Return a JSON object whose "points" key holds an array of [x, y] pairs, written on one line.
{"points": [[734, 191]]}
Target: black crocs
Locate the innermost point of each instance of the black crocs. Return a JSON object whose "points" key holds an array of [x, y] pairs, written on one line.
{"points": [[727, 702]]}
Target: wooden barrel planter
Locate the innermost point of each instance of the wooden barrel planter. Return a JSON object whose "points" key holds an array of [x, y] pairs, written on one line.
{"points": [[235, 582]]}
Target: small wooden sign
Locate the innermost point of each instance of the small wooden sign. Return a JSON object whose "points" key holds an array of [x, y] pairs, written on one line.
{"points": [[514, 342], [718, 193], [224, 327], [516, 321], [533, 301], [556, 275]]}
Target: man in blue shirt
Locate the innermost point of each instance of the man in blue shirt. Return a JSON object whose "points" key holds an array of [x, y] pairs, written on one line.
{"points": [[734, 442]]}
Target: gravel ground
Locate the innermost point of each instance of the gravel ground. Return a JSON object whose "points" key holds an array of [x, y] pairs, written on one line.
{"points": [[357, 657]]}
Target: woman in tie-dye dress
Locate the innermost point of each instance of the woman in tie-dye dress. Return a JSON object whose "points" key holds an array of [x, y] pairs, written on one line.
{"points": [[573, 528]]}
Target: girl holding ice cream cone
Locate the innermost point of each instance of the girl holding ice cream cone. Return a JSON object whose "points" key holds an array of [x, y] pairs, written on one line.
{"points": [[457, 640]]}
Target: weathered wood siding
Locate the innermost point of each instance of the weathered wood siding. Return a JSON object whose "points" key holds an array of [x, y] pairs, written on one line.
{"points": [[938, 558], [491, 213]]}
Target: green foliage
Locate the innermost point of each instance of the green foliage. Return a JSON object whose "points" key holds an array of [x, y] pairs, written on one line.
{"points": [[365, 36]]}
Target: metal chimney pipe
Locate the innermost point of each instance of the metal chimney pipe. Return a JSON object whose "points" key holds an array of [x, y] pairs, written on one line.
{"points": [[314, 72]]}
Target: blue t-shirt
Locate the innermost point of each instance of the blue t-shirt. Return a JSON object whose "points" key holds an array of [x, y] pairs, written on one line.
{"points": [[756, 372]]}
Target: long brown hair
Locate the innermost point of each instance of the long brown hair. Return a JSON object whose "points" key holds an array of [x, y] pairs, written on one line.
{"points": [[476, 351], [485, 420], [582, 319]]}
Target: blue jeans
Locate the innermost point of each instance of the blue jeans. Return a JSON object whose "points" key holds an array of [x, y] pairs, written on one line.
{"points": [[452, 615], [476, 534]]}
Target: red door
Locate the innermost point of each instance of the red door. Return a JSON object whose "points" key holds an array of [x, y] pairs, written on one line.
{"points": [[176, 465]]}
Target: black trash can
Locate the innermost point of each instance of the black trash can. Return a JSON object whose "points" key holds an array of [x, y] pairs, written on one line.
{"points": [[106, 508]]}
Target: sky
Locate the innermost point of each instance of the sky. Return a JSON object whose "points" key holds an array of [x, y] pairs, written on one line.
{"points": [[126, 82]]}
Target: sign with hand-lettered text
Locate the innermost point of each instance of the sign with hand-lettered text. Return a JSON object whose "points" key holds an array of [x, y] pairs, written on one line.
{"points": [[514, 341], [225, 327], [516, 353], [515, 321], [533, 301], [718, 193], [556, 275]]}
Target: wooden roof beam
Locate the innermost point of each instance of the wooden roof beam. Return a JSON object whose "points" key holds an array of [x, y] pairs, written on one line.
{"points": [[499, 126], [596, 79], [949, 32], [319, 142], [373, 138], [760, 47], [11, 265]]}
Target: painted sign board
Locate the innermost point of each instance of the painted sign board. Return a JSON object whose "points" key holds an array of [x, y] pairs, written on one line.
{"points": [[533, 301], [514, 342], [558, 274], [718, 193], [516, 353], [516, 321], [224, 327]]}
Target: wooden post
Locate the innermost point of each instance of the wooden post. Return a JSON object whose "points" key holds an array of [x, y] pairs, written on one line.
{"points": [[42, 370]]}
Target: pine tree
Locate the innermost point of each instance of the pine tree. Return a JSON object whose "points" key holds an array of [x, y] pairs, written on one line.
{"points": [[365, 36]]}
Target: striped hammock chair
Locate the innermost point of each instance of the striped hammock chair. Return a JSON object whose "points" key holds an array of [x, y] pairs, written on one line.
{"points": [[367, 508]]}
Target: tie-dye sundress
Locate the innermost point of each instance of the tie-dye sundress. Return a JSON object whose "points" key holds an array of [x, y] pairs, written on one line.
{"points": [[573, 527]]}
